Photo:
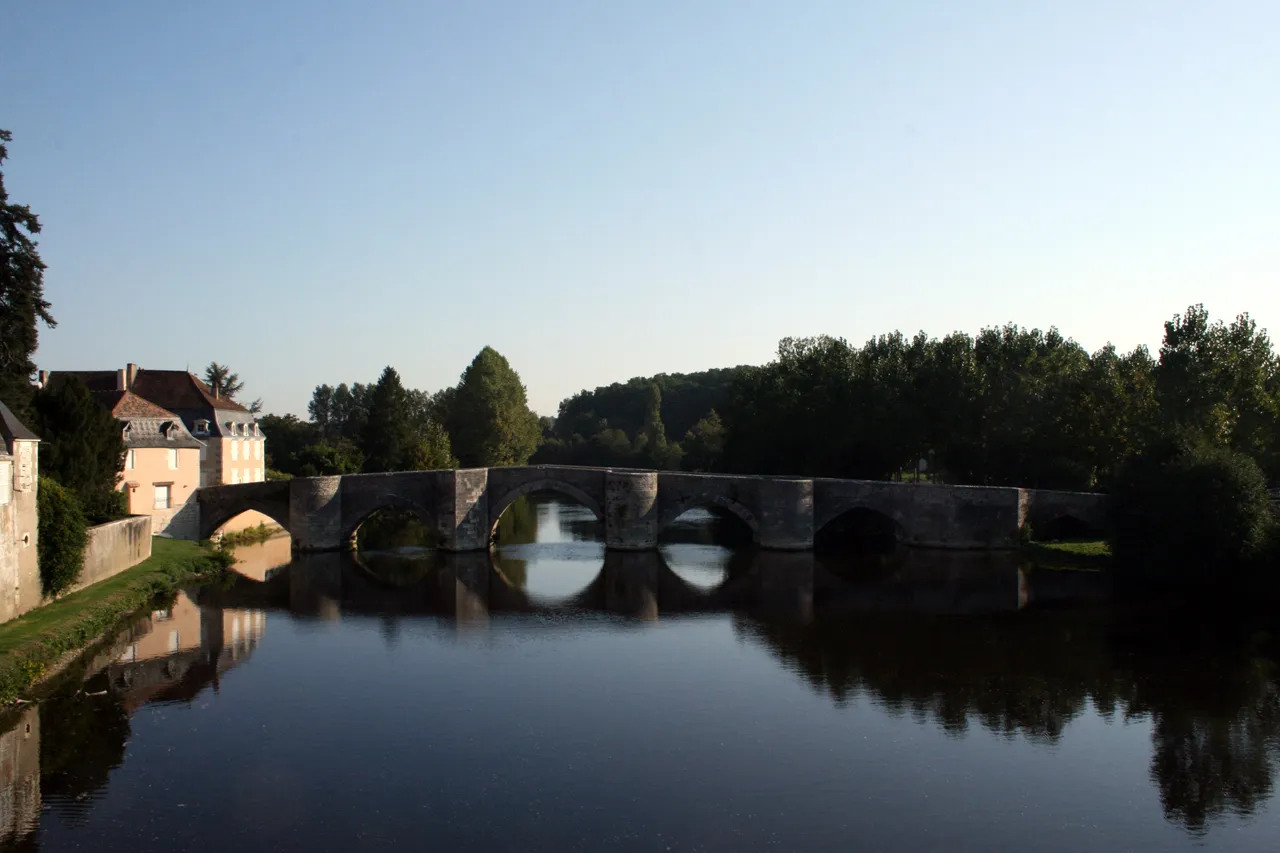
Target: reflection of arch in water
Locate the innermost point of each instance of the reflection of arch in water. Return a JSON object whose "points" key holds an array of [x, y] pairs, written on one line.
{"points": [[544, 486]]}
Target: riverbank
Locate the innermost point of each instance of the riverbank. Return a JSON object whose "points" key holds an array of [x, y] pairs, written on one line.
{"points": [[1070, 553], [33, 646]]}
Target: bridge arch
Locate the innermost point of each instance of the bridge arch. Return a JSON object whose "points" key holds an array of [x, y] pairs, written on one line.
{"points": [[709, 501], [499, 505], [388, 501], [211, 521], [848, 522]]}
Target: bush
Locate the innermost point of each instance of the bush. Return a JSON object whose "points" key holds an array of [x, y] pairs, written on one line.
{"points": [[63, 535], [1190, 515]]}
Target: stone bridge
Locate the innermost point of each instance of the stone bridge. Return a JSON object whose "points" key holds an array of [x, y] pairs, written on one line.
{"points": [[464, 506]]}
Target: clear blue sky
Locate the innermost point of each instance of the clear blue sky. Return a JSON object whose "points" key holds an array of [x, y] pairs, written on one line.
{"points": [[600, 190]]}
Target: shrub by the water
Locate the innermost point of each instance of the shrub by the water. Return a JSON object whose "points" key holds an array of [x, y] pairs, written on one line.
{"points": [[63, 534], [1190, 515]]}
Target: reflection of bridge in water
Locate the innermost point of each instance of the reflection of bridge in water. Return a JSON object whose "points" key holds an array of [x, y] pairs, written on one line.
{"points": [[790, 585]]}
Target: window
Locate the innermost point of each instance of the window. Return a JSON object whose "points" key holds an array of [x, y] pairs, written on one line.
{"points": [[257, 475], [202, 427], [256, 431], [235, 450], [173, 459], [162, 495], [130, 461], [235, 476], [257, 450], [175, 641]]}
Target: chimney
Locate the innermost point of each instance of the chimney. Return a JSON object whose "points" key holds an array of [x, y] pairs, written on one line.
{"points": [[122, 381], [42, 379], [130, 376]]}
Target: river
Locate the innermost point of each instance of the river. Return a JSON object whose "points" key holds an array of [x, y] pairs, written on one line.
{"points": [[554, 697]]}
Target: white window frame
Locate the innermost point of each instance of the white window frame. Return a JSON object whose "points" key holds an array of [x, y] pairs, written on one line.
{"points": [[130, 460], [165, 489], [235, 450], [257, 450], [235, 476], [174, 459]]}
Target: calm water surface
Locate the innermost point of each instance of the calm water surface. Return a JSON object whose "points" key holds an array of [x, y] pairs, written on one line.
{"points": [[555, 697]]}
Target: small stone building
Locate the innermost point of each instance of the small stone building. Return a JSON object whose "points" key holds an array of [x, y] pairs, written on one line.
{"points": [[19, 524]]}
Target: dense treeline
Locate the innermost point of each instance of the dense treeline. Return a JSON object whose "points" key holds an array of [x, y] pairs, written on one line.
{"points": [[384, 426], [663, 421], [1010, 406]]}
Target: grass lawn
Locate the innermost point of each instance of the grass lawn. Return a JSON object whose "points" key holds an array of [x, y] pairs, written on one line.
{"points": [[30, 644], [1093, 553]]}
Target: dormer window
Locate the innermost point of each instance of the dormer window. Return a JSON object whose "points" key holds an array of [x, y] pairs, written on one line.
{"points": [[124, 433], [255, 429], [231, 427], [202, 427]]}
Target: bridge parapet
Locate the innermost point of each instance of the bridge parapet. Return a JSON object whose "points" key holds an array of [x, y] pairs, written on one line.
{"points": [[323, 513]]}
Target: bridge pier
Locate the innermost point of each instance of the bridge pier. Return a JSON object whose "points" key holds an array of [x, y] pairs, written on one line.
{"points": [[315, 513], [786, 515], [631, 510]]}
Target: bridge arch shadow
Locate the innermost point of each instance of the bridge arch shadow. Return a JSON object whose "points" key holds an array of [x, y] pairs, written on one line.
{"points": [[390, 506], [1065, 526], [859, 529]]}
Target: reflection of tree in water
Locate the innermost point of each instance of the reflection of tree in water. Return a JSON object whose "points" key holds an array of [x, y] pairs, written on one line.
{"points": [[82, 739], [1011, 676], [1216, 722]]}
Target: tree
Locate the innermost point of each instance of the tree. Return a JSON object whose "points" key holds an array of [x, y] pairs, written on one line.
{"points": [[62, 537], [82, 448], [388, 432], [1190, 514], [491, 423], [22, 302], [223, 382], [704, 444]]}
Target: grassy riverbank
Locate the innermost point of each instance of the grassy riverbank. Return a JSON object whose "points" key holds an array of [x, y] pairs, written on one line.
{"points": [[1072, 553], [35, 642], [249, 536]]}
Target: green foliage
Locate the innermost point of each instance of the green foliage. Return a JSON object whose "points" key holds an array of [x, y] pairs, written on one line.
{"points": [[391, 529], [82, 447], [63, 535], [490, 420], [222, 381], [32, 643], [22, 302], [1190, 514], [703, 444], [399, 433]]}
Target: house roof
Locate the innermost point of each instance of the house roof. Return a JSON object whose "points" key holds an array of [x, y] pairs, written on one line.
{"points": [[126, 404], [94, 380], [12, 429], [178, 389], [155, 432]]}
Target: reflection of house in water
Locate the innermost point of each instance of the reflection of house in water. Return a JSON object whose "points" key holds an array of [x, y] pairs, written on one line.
{"points": [[175, 653], [20, 777], [257, 561]]}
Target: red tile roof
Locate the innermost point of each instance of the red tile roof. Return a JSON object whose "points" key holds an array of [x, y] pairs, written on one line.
{"points": [[178, 389], [126, 404]]}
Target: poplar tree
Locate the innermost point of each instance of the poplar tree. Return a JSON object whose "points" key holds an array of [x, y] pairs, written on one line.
{"points": [[490, 420]]}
